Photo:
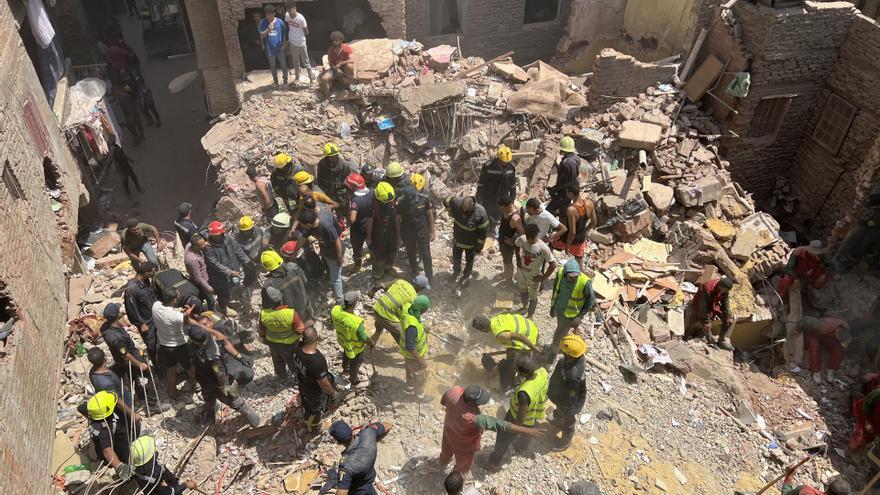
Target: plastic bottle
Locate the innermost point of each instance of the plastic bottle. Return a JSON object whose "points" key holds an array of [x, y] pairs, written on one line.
{"points": [[345, 131]]}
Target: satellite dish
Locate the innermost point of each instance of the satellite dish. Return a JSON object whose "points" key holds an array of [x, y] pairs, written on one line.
{"points": [[182, 81]]}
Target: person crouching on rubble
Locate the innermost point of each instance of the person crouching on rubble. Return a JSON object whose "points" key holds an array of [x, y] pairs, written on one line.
{"points": [[151, 476], [806, 263], [829, 333], [711, 301], [341, 69]]}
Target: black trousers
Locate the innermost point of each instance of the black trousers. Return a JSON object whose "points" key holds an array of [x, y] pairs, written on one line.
{"points": [[353, 365], [126, 173], [469, 255], [282, 359], [150, 113], [358, 238], [505, 439], [418, 246]]}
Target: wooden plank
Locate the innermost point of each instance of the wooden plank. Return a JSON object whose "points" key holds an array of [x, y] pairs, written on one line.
{"points": [[617, 259], [703, 78]]}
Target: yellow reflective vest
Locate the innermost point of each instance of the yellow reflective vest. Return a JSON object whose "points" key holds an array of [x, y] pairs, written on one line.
{"points": [[536, 389], [279, 325], [390, 305], [515, 324], [578, 295], [421, 340], [346, 325]]}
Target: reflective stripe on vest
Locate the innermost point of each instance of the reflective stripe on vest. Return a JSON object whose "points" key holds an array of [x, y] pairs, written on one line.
{"points": [[421, 339], [578, 295], [279, 325], [516, 324], [346, 325], [536, 389], [390, 305]]}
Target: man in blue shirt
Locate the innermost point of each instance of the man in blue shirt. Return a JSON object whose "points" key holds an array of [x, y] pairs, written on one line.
{"points": [[357, 469], [273, 32]]}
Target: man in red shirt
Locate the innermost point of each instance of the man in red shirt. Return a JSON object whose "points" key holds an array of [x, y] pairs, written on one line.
{"points": [[828, 333], [711, 301], [464, 425], [341, 69], [806, 263]]}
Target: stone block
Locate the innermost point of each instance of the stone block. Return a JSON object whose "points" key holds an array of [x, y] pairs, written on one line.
{"points": [[601, 237], [722, 230], [640, 135], [494, 92], [509, 70], [636, 224], [660, 197], [712, 189], [745, 244], [104, 244], [801, 429]]}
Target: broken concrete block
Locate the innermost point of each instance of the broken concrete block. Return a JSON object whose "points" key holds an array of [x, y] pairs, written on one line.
{"points": [[745, 244], [494, 92], [637, 224], [601, 237], [612, 202], [439, 57], [676, 321], [640, 135], [722, 230], [509, 70], [626, 111], [801, 429], [656, 118], [686, 147], [660, 197], [104, 244], [712, 189]]}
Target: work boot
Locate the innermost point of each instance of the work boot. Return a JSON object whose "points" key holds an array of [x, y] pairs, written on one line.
{"points": [[252, 417], [817, 377], [725, 344]]}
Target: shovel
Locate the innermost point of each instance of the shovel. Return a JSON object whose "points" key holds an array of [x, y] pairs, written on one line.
{"points": [[453, 344]]}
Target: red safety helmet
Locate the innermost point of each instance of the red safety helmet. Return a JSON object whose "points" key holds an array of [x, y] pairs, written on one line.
{"points": [[289, 247], [216, 228], [355, 182]]}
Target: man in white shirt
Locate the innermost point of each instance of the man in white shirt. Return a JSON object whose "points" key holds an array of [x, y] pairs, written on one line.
{"points": [[537, 215], [173, 349], [533, 255], [298, 28]]}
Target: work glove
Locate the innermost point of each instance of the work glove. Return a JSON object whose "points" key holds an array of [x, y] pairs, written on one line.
{"points": [[123, 471], [246, 360]]}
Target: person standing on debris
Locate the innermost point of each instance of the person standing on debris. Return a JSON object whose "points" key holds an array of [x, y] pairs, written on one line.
{"points": [[580, 217], [279, 231], [124, 168], [280, 328], [109, 432], [862, 239], [351, 335], [567, 172], [544, 220], [526, 409], [324, 228], [184, 225], [341, 69], [273, 32], [194, 260], [401, 181], [388, 311], [263, 190], [298, 29], [383, 232], [711, 301], [135, 242], [497, 183], [416, 215], [517, 334], [173, 350], [139, 298], [152, 477], [535, 264], [316, 385], [464, 424], [332, 171], [360, 209], [413, 346], [510, 229], [290, 280], [573, 298], [471, 226], [568, 387], [285, 188], [211, 373], [806, 263], [253, 240], [830, 333], [225, 259], [103, 378], [357, 468]]}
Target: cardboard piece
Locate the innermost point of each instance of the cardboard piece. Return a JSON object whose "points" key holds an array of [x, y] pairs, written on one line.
{"points": [[649, 250]]}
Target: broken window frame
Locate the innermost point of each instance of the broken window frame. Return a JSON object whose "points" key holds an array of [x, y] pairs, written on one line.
{"points": [[543, 21], [461, 7], [834, 123], [770, 118]]}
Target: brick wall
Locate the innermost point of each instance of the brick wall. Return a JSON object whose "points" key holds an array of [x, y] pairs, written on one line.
{"points": [[211, 41], [78, 37], [32, 270], [617, 76]]}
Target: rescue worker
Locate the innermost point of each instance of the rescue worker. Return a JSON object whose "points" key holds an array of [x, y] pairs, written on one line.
{"points": [[464, 424], [290, 280], [580, 217], [325, 229], [351, 335], [572, 299], [510, 229], [519, 337], [416, 217], [413, 346], [568, 388], [283, 185], [251, 238], [496, 183], [396, 175], [468, 234], [139, 298], [279, 231], [109, 431], [567, 172], [535, 264], [383, 232], [184, 225], [862, 239], [806, 263], [711, 301], [388, 310], [360, 209], [526, 409], [304, 182], [280, 328], [316, 386], [152, 477], [212, 375], [225, 260], [239, 366], [836, 486], [357, 467], [103, 378], [829, 333], [332, 171]]}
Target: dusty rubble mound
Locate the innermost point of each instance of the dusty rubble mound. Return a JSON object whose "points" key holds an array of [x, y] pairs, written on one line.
{"points": [[680, 418]]}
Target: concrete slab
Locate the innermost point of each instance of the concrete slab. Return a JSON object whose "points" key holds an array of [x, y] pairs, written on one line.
{"points": [[640, 135]]}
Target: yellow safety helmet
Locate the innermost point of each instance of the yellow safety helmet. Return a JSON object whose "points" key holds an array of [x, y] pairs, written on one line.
{"points": [[330, 149], [394, 170], [142, 450], [384, 192], [566, 145], [270, 260], [245, 223], [418, 180], [504, 154], [303, 177], [282, 159], [573, 346], [101, 405]]}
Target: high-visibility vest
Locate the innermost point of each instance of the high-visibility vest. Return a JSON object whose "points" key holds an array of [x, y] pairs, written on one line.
{"points": [[421, 339], [578, 295], [279, 325], [346, 325], [536, 389], [515, 324], [390, 305]]}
